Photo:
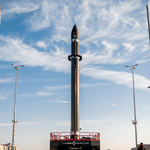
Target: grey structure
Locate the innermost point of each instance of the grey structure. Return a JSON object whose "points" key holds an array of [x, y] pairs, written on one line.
{"points": [[8, 147]]}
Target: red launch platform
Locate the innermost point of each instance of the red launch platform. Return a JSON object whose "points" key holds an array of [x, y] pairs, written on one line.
{"points": [[71, 141]]}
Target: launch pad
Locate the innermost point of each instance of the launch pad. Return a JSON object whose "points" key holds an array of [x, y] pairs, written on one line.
{"points": [[65, 141]]}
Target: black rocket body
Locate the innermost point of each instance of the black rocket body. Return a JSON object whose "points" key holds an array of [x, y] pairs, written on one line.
{"points": [[75, 58]]}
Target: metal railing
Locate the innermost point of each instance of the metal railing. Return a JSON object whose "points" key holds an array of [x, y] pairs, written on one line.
{"points": [[72, 136]]}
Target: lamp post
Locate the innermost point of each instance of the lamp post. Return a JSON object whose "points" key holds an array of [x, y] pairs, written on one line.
{"points": [[134, 121], [14, 118], [148, 21]]}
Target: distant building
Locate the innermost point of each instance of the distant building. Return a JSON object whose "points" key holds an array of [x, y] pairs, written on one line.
{"points": [[147, 146], [7, 147]]}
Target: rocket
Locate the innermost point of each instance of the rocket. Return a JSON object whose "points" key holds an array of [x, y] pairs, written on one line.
{"points": [[75, 58], [76, 140]]}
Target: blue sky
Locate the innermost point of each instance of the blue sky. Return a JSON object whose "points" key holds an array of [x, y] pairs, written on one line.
{"points": [[37, 34]]}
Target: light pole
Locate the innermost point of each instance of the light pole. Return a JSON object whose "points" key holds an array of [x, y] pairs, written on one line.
{"points": [[148, 21], [134, 121], [14, 118]]}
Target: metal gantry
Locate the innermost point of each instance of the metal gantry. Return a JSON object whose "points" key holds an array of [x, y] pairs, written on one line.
{"points": [[14, 116], [134, 121]]}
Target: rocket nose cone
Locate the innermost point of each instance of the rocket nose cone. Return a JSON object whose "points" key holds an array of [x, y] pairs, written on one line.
{"points": [[74, 32]]}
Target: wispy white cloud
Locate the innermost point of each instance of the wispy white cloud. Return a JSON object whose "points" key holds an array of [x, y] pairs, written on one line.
{"points": [[110, 53], [114, 104], [57, 87], [116, 40], [18, 7], [4, 94], [28, 95], [120, 78], [92, 85], [110, 104], [41, 44], [2, 98], [95, 22], [45, 16], [7, 80], [46, 91], [55, 60], [128, 46], [57, 101], [100, 23], [43, 94], [94, 19], [38, 94]]}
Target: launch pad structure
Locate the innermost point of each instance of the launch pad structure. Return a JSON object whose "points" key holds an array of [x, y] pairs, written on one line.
{"points": [[75, 140], [64, 141]]}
